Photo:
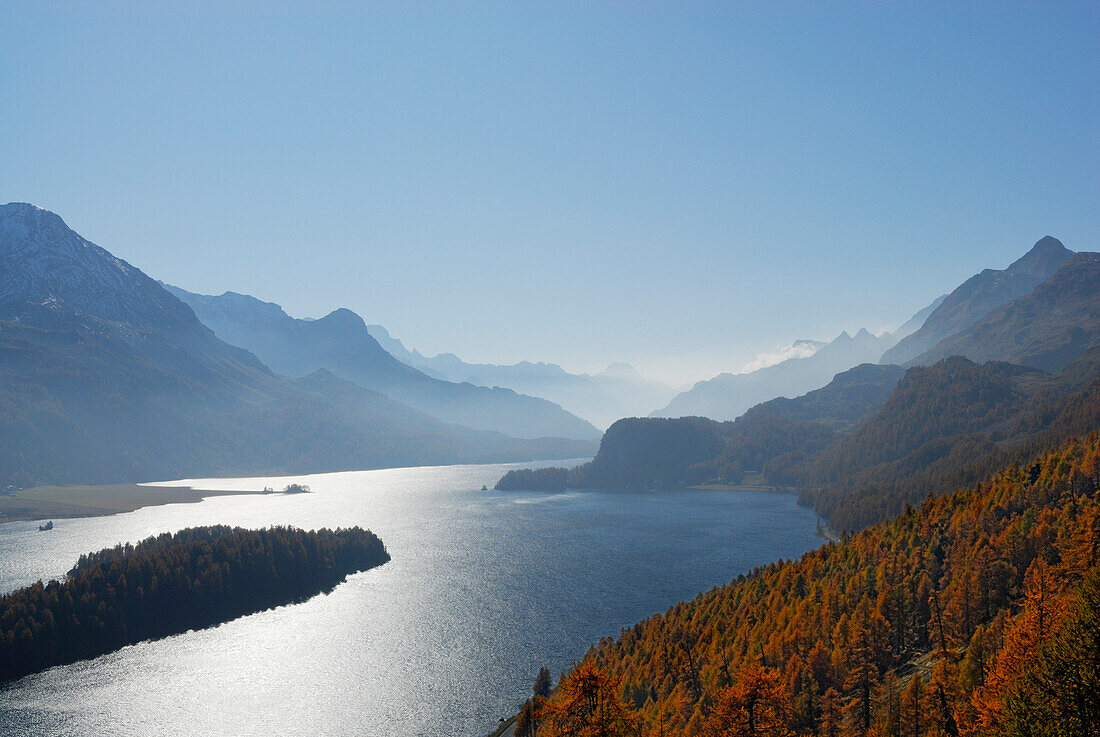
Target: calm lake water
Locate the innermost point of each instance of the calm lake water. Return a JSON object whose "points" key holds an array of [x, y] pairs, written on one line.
{"points": [[484, 587]]}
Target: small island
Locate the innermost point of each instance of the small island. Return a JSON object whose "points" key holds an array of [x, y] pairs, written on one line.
{"points": [[534, 479], [171, 583]]}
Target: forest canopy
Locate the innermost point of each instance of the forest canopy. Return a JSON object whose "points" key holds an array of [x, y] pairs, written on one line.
{"points": [[534, 479], [976, 613]]}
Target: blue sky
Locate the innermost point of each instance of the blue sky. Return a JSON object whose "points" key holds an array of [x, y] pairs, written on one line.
{"points": [[680, 186]]}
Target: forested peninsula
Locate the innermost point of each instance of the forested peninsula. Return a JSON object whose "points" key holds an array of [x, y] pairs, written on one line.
{"points": [[861, 449], [534, 479], [171, 583]]}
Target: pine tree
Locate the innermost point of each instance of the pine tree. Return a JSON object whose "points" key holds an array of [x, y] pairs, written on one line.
{"points": [[1060, 694], [755, 706], [542, 682], [912, 720], [588, 704]]}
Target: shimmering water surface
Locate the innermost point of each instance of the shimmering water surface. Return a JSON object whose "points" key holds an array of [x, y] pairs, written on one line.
{"points": [[484, 587]]}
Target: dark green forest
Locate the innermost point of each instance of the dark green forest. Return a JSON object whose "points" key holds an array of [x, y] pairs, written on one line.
{"points": [[534, 479], [171, 583]]}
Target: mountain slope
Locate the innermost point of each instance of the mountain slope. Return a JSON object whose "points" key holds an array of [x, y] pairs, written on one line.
{"points": [[914, 323], [1047, 329], [105, 376], [949, 424], [944, 425], [979, 295], [773, 436], [727, 396], [341, 343], [976, 612], [841, 404], [618, 391]]}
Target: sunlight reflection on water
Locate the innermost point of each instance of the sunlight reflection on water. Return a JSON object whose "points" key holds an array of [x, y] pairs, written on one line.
{"points": [[484, 587]]}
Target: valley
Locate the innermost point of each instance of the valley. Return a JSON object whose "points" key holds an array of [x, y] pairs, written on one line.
{"points": [[928, 500], [550, 369]]}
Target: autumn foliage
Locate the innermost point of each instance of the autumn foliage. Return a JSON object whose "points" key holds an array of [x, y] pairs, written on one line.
{"points": [[588, 703], [976, 613]]}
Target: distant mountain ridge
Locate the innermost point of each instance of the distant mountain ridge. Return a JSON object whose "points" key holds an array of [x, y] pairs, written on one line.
{"points": [[914, 323], [728, 396], [979, 295], [1047, 328], [340, 342], [867, 444], [618, 391], [841, 404], [105, 376]]}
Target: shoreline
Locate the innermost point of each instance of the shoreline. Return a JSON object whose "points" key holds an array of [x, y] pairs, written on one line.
{"points": [[43, 503], [824, 531], [745, 487], [40, 503]]}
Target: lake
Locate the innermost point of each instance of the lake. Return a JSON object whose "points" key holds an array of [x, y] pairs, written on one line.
{"points": [[483, 589]]}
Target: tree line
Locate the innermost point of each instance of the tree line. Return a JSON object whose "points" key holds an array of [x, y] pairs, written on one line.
{"points": [[171, 583], [534, 479]]}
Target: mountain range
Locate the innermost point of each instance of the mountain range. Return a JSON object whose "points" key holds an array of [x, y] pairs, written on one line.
{"points": [[340, 342], [618, 391], [968, 321], [1021, 378], [106, 376], [978, 296], [1047, 328], [728, 396]]}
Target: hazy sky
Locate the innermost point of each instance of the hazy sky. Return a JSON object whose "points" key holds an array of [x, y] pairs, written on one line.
{"points": [[677, 186]]}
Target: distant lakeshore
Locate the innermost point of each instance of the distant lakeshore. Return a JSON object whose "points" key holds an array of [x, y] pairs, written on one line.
{"points": [[66, 502], [745, 487]]}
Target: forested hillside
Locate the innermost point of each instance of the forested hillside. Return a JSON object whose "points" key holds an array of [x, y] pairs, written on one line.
{"points": [[977, 612], [942, 426], [949, 425], [172, 583], [776, 437]]}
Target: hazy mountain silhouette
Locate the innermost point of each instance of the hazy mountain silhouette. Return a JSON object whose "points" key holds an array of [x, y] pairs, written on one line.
{"points": [[1046, 329], [339, 342], [914, 323], [979, 295], [727, 396], [618, 391], [105, 376]]}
